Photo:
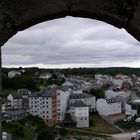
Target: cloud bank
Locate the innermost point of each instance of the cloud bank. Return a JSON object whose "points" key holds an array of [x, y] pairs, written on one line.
{"points": [[72, 42]]}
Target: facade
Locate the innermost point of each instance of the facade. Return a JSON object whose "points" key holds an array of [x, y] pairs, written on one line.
{"points": [[124, 94], [6, 105], [24, 92], [109, 106], [16, 101], [87, 99], [80, 114], [45, 75], [44, 104], [63, 94], [98, 76], [87, 86], [117, 82]]}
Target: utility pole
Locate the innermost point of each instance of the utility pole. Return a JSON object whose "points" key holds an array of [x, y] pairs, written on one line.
{"points": [[0, 93]]}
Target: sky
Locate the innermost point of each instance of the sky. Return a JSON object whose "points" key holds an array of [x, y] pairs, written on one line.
{"points": [[70, 43]]}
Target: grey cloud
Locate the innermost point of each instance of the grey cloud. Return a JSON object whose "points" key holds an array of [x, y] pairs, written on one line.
{"points": [[72, 42]]}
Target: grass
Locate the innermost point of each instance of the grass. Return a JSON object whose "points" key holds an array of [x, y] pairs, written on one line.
{"points": [[101, 126]]}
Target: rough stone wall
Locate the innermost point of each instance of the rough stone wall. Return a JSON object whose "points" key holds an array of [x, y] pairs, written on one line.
{"points": [[17, 15]]}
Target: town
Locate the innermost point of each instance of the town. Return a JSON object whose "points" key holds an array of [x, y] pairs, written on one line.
{"points": [[73, 101]]}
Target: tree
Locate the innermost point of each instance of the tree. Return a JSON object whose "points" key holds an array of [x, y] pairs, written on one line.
{"points": [[63, 132], [98, 93], [45, 134]]}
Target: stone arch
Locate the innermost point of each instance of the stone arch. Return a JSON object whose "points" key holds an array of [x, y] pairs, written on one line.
{"points": [[18, 15]]}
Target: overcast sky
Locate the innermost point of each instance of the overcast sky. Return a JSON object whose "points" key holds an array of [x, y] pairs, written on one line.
{"points": [[72, 42]]}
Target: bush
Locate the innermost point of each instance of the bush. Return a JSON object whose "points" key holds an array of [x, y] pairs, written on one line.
{"points": [[63, 132], [45, 135]]}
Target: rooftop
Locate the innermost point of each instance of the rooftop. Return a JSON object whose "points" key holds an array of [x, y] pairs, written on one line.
{"points": [[78, 104], [43, 93], [15, 112], [80, 95]]}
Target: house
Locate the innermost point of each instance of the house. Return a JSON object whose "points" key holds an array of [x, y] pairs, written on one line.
{"points": [[109, 106], [16, 101], [24, 92], [129, 111], [6, 105], [45, 75], [12, 74], [80, 114], [77, 89], [87, 86], [124, 94], [20, 99], [98, 76], [110, 109], [68, 84], [87, 99], [44, 104]]}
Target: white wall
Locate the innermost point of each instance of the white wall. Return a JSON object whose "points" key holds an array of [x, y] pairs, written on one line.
{"points": [[105, 108], [62, 101], [117, 82]]}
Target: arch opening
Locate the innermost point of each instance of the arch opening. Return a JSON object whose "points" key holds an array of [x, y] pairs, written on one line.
{"points": [[60, 42]]}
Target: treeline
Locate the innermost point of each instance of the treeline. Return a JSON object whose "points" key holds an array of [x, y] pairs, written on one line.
{"points": [[18, 82], [92, 71], [79, 71]]}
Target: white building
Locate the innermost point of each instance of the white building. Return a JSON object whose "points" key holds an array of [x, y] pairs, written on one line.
{"points": [[63, 94], [87, 99], [117, 93], [98, 76], [45, 75], [16, 101], [117, 82], [87, 86], [5, 106], [129, 110], [68, 84], [44, 104], [12, 74], [108, 106], [24, 92], [80, 113]]}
